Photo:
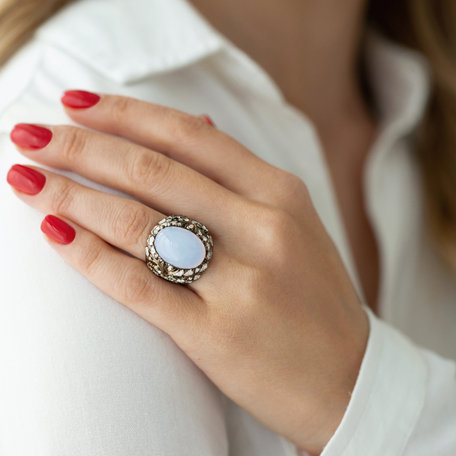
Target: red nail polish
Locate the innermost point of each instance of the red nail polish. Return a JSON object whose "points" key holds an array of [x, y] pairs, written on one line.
{"points": [[57, 229], [206, 118], [30, 136], [79, 99], [25, 179]]}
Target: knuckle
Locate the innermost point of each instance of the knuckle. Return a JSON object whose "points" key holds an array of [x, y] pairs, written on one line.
{"points": [[73, 143], [120, 107], [63, 197], [135, 286], [252, 284], [89, 259], [277, 229], [131, 223], [292, 185], [148, 169], [185, 127], [275, 222]]}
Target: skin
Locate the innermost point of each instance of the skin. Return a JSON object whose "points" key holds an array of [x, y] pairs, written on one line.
{"points": [[311, 52], [266, 329], [272, 335]]}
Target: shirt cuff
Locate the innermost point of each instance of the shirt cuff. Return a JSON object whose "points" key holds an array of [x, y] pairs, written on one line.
{"points": [[387, 399]]}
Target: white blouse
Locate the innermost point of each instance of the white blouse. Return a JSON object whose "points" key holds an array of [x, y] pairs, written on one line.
{"points": [[82, 374]]}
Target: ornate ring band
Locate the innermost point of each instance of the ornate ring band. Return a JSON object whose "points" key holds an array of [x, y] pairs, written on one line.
{"points": [[178, 249]]}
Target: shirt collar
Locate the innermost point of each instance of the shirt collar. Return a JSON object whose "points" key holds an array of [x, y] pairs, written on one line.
{"points": [[127, 41], [400, 81]]}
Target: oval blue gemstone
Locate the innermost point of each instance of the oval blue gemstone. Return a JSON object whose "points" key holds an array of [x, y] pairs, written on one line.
{"points": [[180, 247]]}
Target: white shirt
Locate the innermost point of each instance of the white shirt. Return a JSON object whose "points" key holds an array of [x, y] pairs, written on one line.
{"points": [[84, 375]]}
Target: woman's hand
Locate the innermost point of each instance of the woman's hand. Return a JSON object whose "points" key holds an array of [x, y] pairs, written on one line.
{"points": [[275, 321]]}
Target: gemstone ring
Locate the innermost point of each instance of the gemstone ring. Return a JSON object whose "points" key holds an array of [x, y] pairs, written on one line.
{"points": [[178, 249]]}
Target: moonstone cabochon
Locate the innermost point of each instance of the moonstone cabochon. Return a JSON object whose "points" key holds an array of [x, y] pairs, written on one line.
{"points": [[180, 247]]}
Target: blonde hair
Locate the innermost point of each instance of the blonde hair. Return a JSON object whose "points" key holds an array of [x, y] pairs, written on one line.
{"points": [[426, 25], [19, 20]]}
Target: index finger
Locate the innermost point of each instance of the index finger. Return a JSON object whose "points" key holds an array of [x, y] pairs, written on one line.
{"points": [[183, 137]]}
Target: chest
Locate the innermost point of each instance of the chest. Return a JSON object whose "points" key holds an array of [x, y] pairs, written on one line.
{"points": [[346, 172]]}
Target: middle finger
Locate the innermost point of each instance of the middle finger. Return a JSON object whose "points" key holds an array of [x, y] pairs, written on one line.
{"points": [[151, 177]]}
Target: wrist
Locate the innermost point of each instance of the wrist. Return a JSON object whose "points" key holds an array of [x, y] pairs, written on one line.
{"points": [[335, 394]]}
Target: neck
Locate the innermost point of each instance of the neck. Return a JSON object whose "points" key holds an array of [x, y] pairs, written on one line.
{"points": [[308, 47]]}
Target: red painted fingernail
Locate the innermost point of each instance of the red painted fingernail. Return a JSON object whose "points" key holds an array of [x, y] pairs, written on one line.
{"points": [[30, 136], [25, 179], [207, 119], [79, 99], [57, 229]]}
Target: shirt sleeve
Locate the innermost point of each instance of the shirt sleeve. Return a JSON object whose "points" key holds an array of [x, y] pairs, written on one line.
{"points": [[403, 402]]}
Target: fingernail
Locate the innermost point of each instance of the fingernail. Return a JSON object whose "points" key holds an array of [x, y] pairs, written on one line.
{"points": [[79, 99], [25, 179], [30, 136], [57, 229], [207, 119]]}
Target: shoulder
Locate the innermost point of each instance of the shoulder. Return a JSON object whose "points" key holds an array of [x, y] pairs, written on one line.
{"points": [[107, 46]]}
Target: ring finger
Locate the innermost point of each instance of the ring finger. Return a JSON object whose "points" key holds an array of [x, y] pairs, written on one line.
{"points": [[120, 221]]}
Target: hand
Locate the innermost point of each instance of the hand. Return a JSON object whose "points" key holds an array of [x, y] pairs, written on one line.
{"points": [[275, 321]]}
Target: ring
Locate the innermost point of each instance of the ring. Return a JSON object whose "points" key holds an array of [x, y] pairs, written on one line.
{"points": [[178, 249]]}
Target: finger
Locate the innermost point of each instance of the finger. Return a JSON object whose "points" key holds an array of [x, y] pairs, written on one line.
{"points": [[160, 182], [183, 137], [121, 222], [127, 280]]}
